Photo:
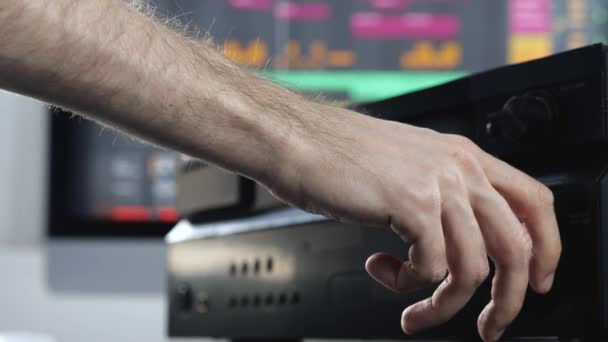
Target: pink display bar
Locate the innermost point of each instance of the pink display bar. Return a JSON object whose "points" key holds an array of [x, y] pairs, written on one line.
{"points": [[530, 16], [370, 25], [400, 4], [389, 4], [304, 12], [255, 5]]}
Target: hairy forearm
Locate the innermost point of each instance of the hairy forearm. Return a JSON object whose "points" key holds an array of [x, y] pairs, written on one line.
{"points": [[109, 62]]}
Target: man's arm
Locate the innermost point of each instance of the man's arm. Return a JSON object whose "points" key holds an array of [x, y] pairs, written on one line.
{"points": [[105, 60], [456, 204]]}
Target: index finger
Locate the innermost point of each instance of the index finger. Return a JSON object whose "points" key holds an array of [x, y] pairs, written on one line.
{"points": [[533, 203]]}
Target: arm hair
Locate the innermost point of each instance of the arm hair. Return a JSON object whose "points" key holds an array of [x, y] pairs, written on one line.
{"points": [[125, 67]]}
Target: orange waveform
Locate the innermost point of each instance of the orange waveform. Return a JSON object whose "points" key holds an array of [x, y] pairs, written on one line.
{"points": [[318, 56], [342, 58], [255, 54], [424, 55]]}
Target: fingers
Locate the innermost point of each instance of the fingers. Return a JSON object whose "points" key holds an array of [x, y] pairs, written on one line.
{"points": [[425, 266], [498, 212], [426, 261], [393, 273], [509, 245], [532, 202], [467, 264]]}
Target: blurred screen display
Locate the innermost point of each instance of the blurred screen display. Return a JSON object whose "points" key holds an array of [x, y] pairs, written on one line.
{"points": [[119, 179], [358, 50]]}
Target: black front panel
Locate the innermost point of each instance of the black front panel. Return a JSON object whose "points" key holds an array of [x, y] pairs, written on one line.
{"points": [[316, 285], [299, 281]]}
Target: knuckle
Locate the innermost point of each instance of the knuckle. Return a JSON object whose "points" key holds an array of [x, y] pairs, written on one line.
{"points": [[525, 242], [421, 206], [432, 274], [462, 142], [518, 251], [484, 196], [462, 156], [451, 179], [553, 254], [427, 200], [465, 160], [479, 275], [542, 195], [473, 275]]}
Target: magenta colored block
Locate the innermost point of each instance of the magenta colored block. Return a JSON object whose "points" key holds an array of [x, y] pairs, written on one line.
{"points": [[389, 4], [370, 25], [303, 12], [401, 4], [255, 5], [530, 16]]}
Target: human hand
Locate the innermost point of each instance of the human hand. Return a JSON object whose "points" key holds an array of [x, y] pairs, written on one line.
{"points": [[455, 204]]}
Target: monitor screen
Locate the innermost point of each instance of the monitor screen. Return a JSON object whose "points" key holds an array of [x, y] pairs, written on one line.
{"points": [[117, 178], [344, 51]]}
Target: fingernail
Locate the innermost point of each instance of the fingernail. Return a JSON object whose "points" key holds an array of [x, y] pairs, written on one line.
{"points": [[404, 322], [498, 335], [548, 282]]}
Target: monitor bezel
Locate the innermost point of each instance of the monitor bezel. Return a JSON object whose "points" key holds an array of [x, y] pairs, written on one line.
{"points": [[61, 223]]}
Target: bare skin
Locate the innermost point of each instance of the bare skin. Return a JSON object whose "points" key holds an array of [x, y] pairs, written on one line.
{"points": [[457, 204]]}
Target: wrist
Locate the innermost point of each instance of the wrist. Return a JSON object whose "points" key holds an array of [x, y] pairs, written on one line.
{"points": [[305, 133], [263, 125], [284, 127]]}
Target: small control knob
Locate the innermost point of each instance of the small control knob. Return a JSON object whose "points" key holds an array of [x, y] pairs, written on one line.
{"points": [[523, 118], [183, 297]]}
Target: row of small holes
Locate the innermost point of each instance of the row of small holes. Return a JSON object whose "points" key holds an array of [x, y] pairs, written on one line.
{"points": [[257, 300], [257, 267]]}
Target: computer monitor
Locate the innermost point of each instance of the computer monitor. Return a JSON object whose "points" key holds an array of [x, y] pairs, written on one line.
{"points": [[104, 183]]}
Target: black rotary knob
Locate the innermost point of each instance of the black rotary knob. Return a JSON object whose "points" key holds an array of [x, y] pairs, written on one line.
{"points": [[524, 118]]}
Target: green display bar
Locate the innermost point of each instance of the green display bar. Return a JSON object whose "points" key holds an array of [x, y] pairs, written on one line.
{"points": [[361, 85]]}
